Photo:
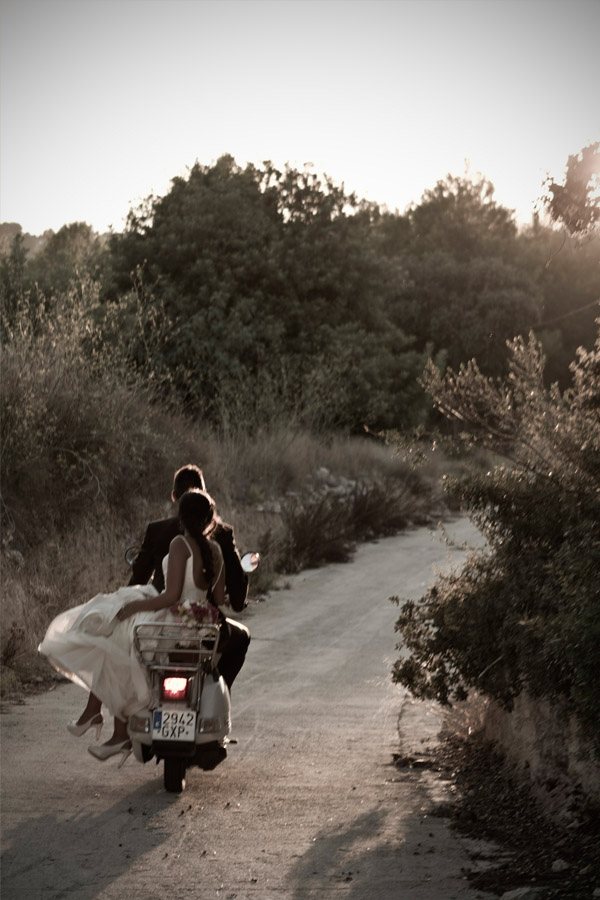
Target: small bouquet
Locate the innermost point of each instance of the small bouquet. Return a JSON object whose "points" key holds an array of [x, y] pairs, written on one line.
{"points": [[192, 613]]}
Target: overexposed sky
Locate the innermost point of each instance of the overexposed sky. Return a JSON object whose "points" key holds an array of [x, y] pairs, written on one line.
{"points": [[102, 102]]}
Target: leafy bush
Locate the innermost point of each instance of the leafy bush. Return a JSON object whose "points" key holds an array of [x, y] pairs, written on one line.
{"points": [[525, 611]]}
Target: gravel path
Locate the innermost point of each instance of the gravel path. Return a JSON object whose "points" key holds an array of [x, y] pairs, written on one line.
{"points": [[308, 803]]}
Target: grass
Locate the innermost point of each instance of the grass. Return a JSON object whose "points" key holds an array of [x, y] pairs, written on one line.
{"points": [[60, 572]]}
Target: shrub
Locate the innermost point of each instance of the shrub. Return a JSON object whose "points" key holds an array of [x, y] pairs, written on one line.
{"points": [[525, 610], [315, 531], [324, 525]]}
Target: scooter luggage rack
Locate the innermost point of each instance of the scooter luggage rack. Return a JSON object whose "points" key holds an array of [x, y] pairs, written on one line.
{"points": [[159, 645]]}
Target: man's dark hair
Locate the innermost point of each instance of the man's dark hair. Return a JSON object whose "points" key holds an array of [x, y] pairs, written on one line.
{"points": [[185, 478]]}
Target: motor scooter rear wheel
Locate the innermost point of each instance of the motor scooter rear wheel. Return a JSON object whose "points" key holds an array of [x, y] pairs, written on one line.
{"points": [[174, 775]]}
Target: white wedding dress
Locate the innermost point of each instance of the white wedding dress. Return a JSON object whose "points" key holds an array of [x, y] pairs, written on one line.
{"points": [[92, 648]]}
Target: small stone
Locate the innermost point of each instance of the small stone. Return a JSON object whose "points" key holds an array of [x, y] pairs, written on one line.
{"points": [[596, 892], [16, 558], [560, 865]]}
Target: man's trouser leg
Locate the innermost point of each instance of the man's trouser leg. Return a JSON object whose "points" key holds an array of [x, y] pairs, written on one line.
{"points": [[234, 651]]}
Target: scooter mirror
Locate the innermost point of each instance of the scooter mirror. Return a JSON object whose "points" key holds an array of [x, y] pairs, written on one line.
{"points": [[250, 561], [131, 555]]}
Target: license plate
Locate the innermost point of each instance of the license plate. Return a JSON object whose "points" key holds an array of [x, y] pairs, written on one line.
{"points": [[174, 725]]}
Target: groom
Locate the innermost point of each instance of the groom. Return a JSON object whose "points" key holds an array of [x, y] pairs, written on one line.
{"points": [[155, 547]]}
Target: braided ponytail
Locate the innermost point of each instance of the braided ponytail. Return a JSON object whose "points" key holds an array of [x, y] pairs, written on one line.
{"points": [[196, 514]]}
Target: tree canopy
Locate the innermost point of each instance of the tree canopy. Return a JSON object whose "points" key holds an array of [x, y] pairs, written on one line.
{"points": [[261, 270], [242, 281]]}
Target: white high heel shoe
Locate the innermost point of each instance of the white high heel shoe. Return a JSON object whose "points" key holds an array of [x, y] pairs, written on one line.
{"points": [[105, 751], [95, 722]]}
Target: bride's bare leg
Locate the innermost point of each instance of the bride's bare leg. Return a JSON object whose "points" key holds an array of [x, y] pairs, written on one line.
{"points": [[119, 734], [92, 709]]}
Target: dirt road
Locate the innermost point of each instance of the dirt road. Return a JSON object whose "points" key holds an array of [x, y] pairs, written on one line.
{"points": [[308, 803]]}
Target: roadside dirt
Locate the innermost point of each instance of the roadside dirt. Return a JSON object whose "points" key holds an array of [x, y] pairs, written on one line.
{"points": [[309, 802]]}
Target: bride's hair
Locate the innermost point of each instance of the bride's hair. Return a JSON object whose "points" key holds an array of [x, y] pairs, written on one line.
{"points": [[197, 515]]}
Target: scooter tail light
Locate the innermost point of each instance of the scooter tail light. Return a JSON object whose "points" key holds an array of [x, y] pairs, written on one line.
{"points": [[174, 687]]}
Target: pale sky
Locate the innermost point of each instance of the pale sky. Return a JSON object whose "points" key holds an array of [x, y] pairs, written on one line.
{"points": [[103, 102]]}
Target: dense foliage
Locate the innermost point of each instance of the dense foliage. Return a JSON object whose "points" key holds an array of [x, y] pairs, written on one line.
{"points": [[254, 292], [270, 278], [524, 612], [467, 288]]}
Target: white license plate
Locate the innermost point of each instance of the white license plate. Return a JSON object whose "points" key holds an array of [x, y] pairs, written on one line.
{"points": [[174, 724]]}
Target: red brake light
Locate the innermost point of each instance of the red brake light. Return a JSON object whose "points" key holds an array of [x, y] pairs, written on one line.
{"points": [[174, 688]]}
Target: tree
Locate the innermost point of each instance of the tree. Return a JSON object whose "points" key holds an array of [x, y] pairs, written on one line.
{"points": [[467, 306], [69, 256], [566, 270], [260, 271], [12, 283], [461, 216], [466, 288], [576, 203]]}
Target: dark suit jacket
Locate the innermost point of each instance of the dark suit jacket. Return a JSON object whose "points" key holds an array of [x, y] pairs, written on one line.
{"points": [[156, 546]]}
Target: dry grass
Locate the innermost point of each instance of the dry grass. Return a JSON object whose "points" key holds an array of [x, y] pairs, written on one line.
{"points": [[273, 463], [60, 572]]}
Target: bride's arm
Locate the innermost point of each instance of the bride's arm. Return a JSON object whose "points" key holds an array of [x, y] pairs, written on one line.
{"points": [[178, 554]]}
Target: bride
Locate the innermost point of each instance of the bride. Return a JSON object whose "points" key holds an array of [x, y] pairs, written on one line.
{"points": [[92, 644]]}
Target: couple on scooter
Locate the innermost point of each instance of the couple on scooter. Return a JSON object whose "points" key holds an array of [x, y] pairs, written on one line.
{"points": [[191, 556]]}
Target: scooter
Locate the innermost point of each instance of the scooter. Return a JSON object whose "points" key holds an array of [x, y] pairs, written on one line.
{"points": [[188, 719]]}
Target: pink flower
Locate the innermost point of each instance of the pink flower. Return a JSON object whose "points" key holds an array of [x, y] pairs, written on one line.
{"points": [[194, 613]]}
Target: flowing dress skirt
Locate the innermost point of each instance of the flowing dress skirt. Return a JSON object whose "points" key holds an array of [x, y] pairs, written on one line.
{"points": [[92, 648]]}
